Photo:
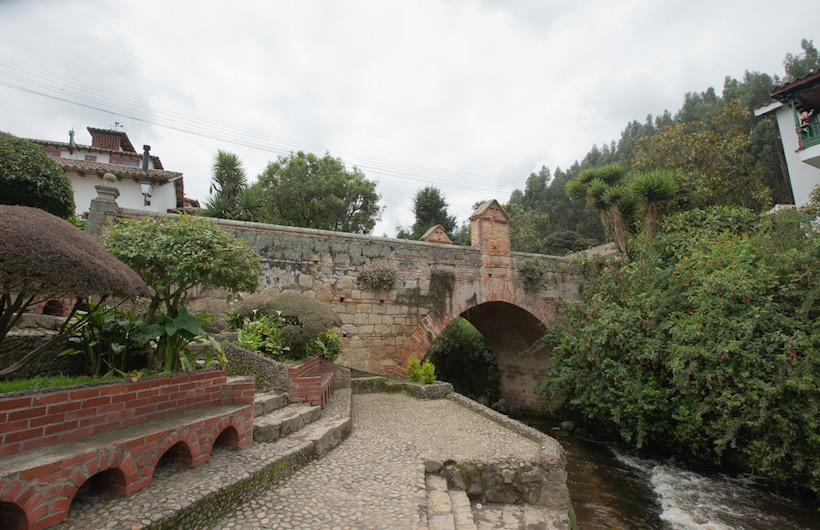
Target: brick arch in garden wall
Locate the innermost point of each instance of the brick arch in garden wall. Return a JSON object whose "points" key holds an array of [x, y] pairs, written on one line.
{"points": [[435, 282]]}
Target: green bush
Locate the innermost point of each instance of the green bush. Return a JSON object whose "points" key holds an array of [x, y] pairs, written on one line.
{"points": [[109, 340], [462, 357], [304, 319], [327, 345], [30, 177], [264, 335], [707, 343], [424, 373]]}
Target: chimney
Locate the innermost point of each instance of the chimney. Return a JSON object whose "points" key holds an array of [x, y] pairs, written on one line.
{"points": [[71, 143], [146, 157]]}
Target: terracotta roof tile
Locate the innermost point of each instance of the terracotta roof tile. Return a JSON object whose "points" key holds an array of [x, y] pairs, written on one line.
{"points": [[98, 168]]}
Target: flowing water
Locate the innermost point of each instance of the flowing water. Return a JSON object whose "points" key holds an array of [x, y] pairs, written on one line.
{"points": [[611, 489]]}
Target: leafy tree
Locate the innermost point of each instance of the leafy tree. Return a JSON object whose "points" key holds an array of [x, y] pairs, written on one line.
{"points": [[707, 344], [30, 177], [798, 66], [430, 209], [174, 255], [304, 190], [714, 162], [463, 358], [228, 175], [231, 196], [43, 256], [602, 189]]}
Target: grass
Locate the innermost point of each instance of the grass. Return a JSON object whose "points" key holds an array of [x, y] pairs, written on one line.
{"points": [[47, 382]]}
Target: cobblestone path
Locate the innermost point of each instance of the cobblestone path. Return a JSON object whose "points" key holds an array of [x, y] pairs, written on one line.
{"points": [[375, 479]]}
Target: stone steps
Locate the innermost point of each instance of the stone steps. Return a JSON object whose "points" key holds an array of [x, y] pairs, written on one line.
{"points": [[287, 420], [451, 509], [267, 402], [193, 498]]}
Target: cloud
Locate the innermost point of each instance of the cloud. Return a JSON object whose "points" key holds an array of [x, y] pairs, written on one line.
{"points": [[470, 96]]}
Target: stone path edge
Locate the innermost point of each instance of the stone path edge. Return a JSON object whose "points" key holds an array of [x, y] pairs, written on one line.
{"points": [[551, 449]]}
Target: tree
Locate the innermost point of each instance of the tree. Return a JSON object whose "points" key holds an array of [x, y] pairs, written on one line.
{"points": [[713, 163], [43, 256], [430, 210], [652, 190], [231, 196], [798, 66], [174, 255], [602, 189], [30, 177], [304, 190]]}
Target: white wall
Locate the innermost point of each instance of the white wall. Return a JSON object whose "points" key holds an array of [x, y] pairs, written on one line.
{"points": [[162, 198], [804, 177]]}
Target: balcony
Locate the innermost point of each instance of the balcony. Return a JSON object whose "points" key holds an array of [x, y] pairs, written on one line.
{"points": [[809, 135]]}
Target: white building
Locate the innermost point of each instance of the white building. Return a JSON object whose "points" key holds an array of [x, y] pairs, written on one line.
{"points": [[801, 142], [141, 180]]}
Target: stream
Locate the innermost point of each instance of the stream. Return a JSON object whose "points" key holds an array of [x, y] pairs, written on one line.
{"points": [[612, 489]]}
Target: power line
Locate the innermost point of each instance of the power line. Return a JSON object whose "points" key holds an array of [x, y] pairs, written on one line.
{"points": [[27, 78]]}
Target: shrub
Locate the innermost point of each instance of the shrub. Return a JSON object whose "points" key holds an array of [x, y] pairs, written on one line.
{"points": [[424, 373], [534, 275], [327, 345], [304, 318], [377, 276], [108, 339], [263, 335], [707, 344], [30, 177], [43, 256]]}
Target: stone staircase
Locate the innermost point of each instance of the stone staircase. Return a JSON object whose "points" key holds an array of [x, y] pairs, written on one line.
{"points": [[286, 437], [451, 509]]}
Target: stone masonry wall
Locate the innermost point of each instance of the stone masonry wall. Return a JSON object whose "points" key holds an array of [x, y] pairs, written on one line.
{"points": [[383, 329]]}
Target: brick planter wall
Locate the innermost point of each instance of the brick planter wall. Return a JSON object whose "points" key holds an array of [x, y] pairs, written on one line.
{"points": [[45, 418], [52, 442], [312, 381]]}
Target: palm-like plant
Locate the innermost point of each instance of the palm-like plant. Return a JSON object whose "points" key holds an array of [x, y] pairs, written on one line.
{"points": [[228, 176], [249, 203], [614, 197], [653, 189], [231, 196]]}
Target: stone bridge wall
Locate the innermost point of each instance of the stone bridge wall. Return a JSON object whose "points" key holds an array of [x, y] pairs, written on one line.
{"points": [[435, 283]]}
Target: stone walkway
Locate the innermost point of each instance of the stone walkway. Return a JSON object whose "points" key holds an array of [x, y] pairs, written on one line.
{"points": [[376, 479]]}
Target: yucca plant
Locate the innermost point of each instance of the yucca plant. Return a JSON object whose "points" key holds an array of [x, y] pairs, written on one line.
{"points": [[652, 190]]}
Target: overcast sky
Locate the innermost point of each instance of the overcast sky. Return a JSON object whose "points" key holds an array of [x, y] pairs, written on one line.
{"points": [[467, 95]]}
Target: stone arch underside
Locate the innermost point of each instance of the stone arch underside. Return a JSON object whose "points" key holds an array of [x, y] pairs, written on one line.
{"points": [[512, 321], [511, 333]]}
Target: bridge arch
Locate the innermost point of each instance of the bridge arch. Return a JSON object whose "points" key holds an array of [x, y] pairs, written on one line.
{"points": [[511, 321]]}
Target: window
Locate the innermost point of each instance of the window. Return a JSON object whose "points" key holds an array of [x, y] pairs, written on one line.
{"points": [[53, 152], [91, 158]]}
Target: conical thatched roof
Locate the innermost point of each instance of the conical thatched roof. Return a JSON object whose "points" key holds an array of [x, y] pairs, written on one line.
{"points": [[43, 254]]}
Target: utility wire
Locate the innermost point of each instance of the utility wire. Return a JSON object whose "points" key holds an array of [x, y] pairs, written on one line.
{"points": [[21, 76]]}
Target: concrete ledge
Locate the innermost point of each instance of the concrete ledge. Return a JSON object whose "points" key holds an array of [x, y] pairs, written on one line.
{"points": [[376, 384]]}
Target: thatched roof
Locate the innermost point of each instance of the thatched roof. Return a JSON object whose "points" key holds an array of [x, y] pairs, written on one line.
{"points": [[43, 254]]}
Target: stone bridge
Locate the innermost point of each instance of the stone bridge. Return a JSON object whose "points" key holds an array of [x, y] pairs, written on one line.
{"points": [[435, 283]]}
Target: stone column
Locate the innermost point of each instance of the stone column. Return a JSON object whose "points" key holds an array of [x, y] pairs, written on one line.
{"points": [[104, 206]]}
